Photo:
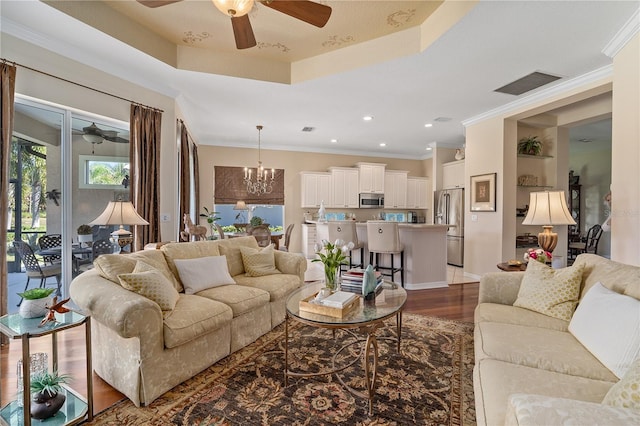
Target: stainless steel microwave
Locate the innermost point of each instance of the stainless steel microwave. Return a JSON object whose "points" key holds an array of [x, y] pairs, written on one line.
{"points": [[371, 201]]}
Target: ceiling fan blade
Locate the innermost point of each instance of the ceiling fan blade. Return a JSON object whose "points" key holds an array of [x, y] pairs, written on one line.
{"points": [[157, 3], [243, 32], [310, 12], [92, 130]]}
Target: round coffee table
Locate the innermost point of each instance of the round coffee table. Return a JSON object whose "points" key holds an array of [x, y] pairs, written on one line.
{"points": [[364, 319]]}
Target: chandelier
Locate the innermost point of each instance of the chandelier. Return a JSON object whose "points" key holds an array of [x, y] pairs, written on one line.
{"points": [[258, 183]]}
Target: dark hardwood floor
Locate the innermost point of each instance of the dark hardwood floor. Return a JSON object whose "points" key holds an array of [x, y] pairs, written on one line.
{"points": [[457, 302]]}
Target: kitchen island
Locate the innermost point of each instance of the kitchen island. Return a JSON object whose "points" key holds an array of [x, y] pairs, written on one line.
{"points": [[425, 253]]}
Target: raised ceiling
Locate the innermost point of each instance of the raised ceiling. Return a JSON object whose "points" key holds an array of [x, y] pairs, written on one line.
{"points": [[443, 60]]}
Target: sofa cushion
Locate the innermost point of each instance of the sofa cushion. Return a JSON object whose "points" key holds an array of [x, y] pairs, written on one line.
{"points": [[626, 393], [613, 275], [231, 248], [152, 284], [536, 410], [259, 262], [111, 265], [540, 348], [241, 299], [608, 325], [192, 317], [190, 250], [203, 273], [494, 381], [278, 286], [552, 292], [496, 312]]}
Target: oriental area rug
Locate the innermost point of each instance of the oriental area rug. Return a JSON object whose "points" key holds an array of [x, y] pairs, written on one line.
{"points": [[428, 383]]}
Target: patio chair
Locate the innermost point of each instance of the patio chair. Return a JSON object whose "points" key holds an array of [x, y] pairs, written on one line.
{"points": [[34, 268], [50, 241]]}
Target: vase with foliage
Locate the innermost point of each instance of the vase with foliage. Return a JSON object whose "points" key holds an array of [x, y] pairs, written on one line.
{"points": [[530, 146], [332, 255], [47, 396], [212, 217], [85, 234], [34, 302]]}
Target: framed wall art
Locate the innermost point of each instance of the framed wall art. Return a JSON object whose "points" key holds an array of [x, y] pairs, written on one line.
{"points": [[483, 193]]}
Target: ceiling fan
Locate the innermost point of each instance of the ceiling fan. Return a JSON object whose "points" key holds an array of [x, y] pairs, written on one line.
{"points": [[310, 12], [95, 135]]}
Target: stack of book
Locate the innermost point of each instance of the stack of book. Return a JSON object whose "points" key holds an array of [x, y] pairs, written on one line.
{"points": [[352, 280]]}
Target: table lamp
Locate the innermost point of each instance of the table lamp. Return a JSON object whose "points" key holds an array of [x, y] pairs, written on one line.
{"points": [[240, 205], [120, 213], [548, 208]]}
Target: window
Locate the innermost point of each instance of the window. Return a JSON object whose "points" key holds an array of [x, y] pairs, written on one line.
{"points": [[271, 214], [100, 172]]}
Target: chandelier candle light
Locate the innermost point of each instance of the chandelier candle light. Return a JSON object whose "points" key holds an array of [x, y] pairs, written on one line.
{"points": [[261, 184], [548, 208]]}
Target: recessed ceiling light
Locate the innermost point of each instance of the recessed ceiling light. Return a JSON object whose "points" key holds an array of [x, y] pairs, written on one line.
{"points": [[334, 140], [367, 118], [428, 148], [383, 144], [428, 125]]}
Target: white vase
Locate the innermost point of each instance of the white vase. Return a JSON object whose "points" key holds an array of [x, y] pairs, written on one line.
{"points": [[34, 308]]}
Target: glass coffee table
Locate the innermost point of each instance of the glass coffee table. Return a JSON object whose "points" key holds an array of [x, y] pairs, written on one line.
{"points": [[361, 322]]}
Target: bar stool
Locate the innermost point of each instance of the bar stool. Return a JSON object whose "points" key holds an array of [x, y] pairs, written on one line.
{"points": [[383, 238], [346, 231]]}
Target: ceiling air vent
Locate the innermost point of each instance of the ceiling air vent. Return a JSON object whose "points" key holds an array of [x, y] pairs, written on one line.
{"points": [[308, 129], [527, 83]]}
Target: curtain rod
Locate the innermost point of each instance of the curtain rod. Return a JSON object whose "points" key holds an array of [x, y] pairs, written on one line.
{"points": [[81, 85]]}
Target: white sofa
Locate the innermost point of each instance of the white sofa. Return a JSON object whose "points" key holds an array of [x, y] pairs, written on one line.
{"points": [[142, 350], [531, 370]]}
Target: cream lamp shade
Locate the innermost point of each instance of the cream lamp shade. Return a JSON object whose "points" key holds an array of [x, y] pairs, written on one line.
{"points": [[548, 208], [120, 213], [241, 205]]}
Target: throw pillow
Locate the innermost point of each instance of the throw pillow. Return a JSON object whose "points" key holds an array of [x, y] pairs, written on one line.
{"points": [[626, 393], [202, 273], [152, 284], [257, 262], [552, 292], [608, 325]]}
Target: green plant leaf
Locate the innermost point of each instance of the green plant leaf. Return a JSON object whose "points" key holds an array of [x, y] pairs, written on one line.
{"points": [[36, 293]]}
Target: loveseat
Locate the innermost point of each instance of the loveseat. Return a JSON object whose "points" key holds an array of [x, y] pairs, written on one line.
{"points": [[159, 317], [564, 365]]}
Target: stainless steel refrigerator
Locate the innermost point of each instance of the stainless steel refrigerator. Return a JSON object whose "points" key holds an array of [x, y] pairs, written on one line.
{"points": [[449, 210]]}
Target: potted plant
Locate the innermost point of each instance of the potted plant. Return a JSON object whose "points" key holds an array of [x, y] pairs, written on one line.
{"points": [[47, 396], [85, 234], [530, 146], [34, 302], [212, 217]]}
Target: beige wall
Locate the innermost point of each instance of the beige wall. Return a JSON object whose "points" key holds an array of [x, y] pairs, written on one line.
{"points": [[625, 173], [293, 163]]}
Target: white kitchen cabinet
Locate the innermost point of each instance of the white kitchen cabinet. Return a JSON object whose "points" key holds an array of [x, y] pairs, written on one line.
{"points": [[371, 178], [453, 175], [309, 240], [315, 188], [395, 189], [417, 193], [345, 187]]}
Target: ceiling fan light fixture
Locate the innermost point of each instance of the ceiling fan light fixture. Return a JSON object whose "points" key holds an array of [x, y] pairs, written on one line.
{"points": [[234, 8], [92, 138]]}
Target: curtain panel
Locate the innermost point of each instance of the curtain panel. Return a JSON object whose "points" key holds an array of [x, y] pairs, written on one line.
{"points": [[184, 173], [145, 172], [230, 187], [196, 177], [7, 95]]}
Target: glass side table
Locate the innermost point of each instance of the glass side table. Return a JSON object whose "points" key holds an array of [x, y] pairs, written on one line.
{"points": [[75, 408]]}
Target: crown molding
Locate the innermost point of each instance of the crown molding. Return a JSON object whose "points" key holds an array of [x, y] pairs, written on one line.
{"points": [[622, 37], [558, 89]]}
